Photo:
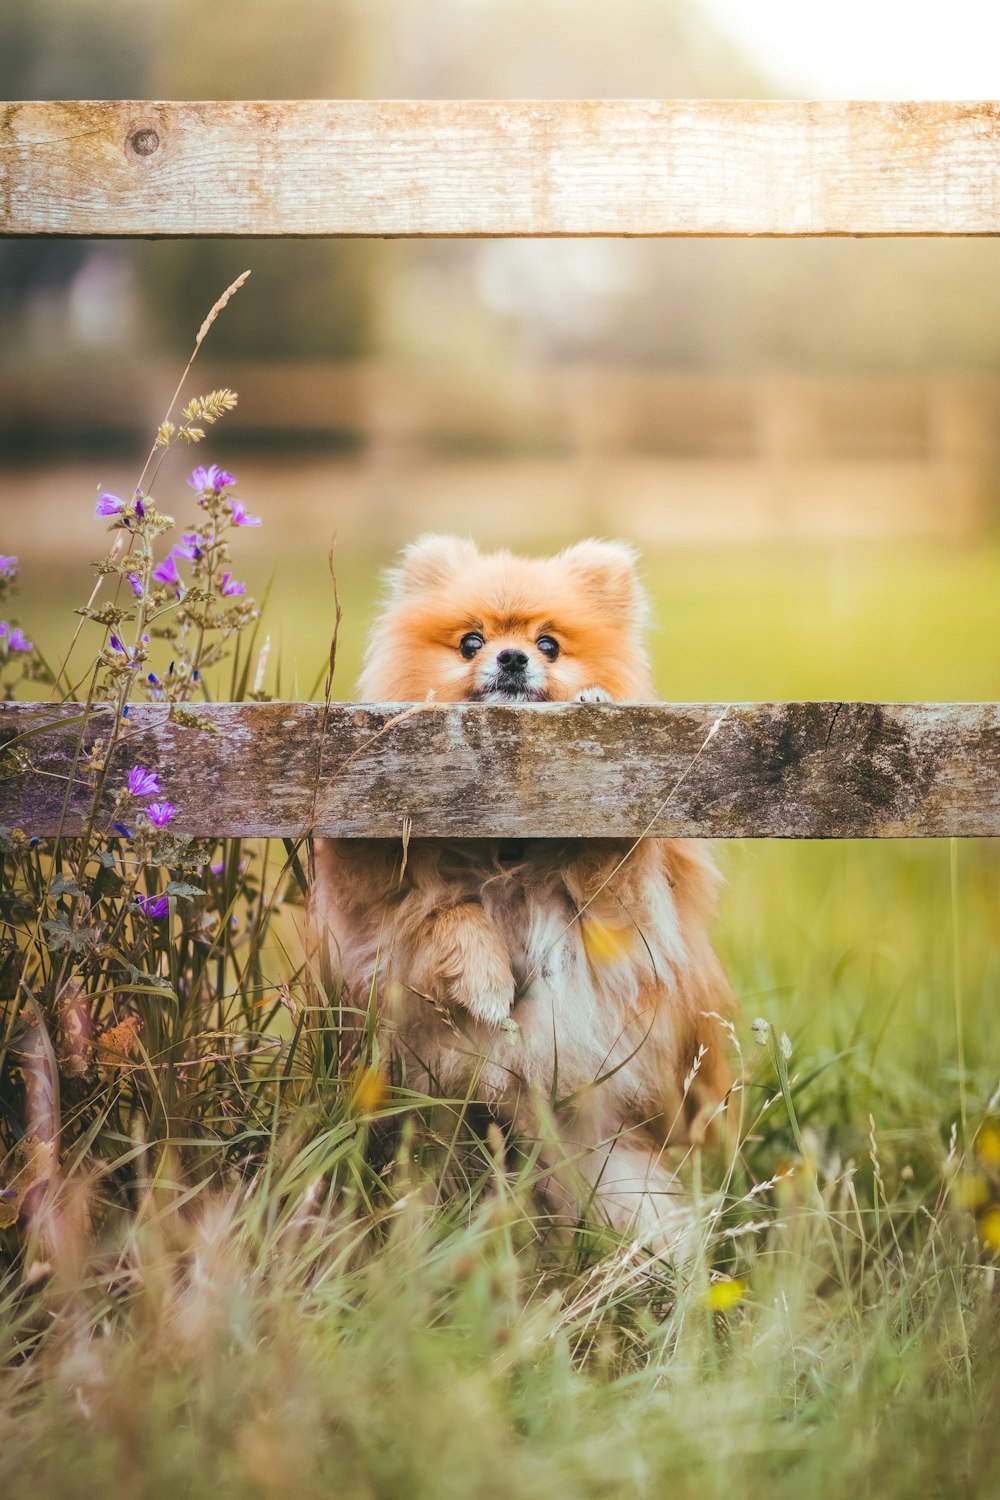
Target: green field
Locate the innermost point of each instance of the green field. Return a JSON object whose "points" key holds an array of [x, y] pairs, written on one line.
{"points": [[334, 1316]]}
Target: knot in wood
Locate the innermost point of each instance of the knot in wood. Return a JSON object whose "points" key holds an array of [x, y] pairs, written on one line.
{"points": [[144, 141]]}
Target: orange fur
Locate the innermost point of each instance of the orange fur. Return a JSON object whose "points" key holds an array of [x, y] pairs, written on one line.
{"points": [[570, 981]]}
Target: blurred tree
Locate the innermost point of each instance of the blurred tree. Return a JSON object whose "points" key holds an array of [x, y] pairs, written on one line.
{"points": [[61, 49], [308, 298]]}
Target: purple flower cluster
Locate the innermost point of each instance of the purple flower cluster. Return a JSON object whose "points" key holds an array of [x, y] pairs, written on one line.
{"points": [[111, 505], [14, 636], [153, 906], [210, 481], [9, 569], [143, 783], [117, 644], [190, 549], [240, 517], [166, 571]]}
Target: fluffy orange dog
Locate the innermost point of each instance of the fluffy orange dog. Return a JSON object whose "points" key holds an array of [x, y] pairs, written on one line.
{"points": [[551, 980]]}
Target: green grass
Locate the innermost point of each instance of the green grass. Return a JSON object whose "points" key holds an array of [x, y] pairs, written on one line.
{"points": [[370, 1314]]}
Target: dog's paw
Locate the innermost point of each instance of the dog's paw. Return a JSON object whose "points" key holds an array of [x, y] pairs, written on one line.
{"points": [[492, 1005], [592, 695], [486, 992]]}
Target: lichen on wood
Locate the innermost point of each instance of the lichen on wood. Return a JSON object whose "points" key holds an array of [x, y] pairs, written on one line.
{"points": [[775, 770]]}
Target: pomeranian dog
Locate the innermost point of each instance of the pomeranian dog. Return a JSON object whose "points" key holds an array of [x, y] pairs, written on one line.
{"points": [[568, 985]]}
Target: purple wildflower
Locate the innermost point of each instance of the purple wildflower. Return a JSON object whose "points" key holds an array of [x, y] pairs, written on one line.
{"points": [[16, 640], [202, 478], [167, 571], [8, 567], [231, 585], [109, 505], [211, 480], [140, 509], [117, 644], [240, 517], [143, 783], [218, 868], [136, 583], [196, 542], [185, 550], [160, 813], [126, 833], [153, 906]]}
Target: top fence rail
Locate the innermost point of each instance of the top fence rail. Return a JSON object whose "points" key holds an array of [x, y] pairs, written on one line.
{"points": [[485, 168]]}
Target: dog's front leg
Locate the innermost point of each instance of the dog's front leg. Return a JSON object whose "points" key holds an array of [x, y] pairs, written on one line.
{"points": [[464, 963], [624, 1181], [635, 1190]]}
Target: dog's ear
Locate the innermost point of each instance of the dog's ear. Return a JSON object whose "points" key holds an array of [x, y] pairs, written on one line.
{"points": [[608, 572], [429, 561]]}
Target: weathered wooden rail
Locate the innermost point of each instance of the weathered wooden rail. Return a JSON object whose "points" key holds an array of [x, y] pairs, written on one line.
{"points": [[625, 167], [561, 167], [777, 770]]}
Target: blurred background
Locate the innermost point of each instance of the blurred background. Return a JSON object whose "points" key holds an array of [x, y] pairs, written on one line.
{"points": [[801, 436]]}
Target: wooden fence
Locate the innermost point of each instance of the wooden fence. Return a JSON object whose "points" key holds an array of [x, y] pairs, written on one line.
{"points": [[777, 770], [524, 168], [566, 167]]}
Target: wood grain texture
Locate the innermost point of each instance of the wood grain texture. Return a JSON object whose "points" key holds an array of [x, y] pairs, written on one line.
{"points": [[778, 770], [575, 167]]}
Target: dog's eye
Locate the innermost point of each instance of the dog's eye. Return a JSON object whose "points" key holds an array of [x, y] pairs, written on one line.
{"points": [[470, 644], [548, 647]]}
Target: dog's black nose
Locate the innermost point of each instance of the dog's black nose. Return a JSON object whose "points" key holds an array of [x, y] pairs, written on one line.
{"points": [[511, 660]]}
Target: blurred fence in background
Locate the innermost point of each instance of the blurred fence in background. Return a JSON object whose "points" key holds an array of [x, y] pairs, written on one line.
{"points": [[661, 455]]}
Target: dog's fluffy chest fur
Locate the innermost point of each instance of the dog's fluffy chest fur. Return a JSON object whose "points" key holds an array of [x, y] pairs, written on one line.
{"points": [[502, 968]]}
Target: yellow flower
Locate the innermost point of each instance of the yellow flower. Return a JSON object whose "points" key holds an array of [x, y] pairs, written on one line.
{"points": [[970, 1192], [989, 1228], [368, 1091], [603, 944], [988, 1145], [723, 1295]]}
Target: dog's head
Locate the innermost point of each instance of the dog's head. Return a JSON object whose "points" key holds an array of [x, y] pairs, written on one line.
{"points": [[461, 625]]}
